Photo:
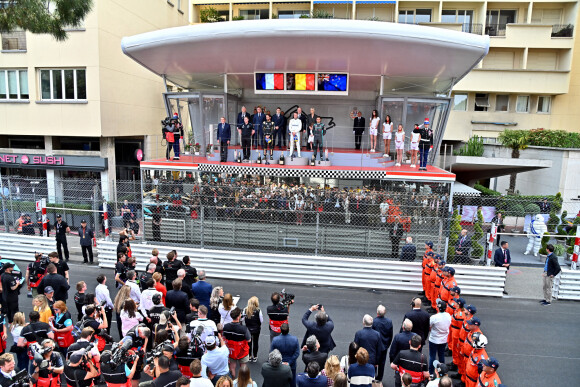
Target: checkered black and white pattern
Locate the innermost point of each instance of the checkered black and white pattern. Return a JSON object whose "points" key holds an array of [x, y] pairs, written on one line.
{"points": [[292, 172]]}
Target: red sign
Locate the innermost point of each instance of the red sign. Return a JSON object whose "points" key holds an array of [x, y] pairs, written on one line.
{"points": [[139, 154]]}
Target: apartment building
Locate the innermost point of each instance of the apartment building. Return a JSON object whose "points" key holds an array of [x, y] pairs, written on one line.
{"points": [[529, 79], [81, 107]]}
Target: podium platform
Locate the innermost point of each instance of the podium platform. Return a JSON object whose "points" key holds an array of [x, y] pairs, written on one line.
{"points": [[296, 160]]}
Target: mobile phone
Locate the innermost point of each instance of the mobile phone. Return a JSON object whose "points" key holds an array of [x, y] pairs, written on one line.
{"points": [[319, 306]]}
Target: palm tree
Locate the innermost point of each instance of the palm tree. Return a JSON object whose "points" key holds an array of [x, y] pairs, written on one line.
{"points": [[516, 140]]}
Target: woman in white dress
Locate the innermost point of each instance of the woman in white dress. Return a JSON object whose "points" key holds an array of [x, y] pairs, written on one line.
{"points": [[399, 144], [374, 129], [387, 133], [415, 137]]}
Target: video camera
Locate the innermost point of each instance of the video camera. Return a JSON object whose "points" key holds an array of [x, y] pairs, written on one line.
{"points": [[21, 379], [120, 353], [39, 359], [156, 352], [37, 271], [286, 298], [84, 352]]}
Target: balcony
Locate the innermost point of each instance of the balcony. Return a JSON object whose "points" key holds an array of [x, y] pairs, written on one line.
{"points": [[13, 41], [472, 28], [530, 35], [516, 81]]}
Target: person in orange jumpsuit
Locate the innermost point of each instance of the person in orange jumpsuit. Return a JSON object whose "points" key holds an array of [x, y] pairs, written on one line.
{"points": [[478, 353], [427, 257], [451, 308], [439, 275], [488, 377], [458, 358], [447, 283], [473, 327], [455, 330]]}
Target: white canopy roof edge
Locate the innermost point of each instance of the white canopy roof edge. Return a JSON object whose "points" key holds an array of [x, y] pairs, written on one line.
{"points": [[433, 58]]}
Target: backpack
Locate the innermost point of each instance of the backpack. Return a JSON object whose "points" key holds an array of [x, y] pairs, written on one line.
{"points": [[78, 328]]}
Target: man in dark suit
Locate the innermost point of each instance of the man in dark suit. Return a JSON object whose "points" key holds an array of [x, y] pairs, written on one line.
{"points": [[257, 121], [502, 257], [224, 134], [551, 269], [462, 247], [420, 320], [396, 234], [409, 251], [310, 121], [358, 129], [322, 328], [498, 220], [241, 116], [279, 128]]}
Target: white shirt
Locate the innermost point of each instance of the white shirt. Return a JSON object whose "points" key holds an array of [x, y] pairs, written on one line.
{"points": [[295, 125], [147, 300], [200, 382], [209, 329], [225, 314], [135, 291], [439, 324], [384, 208], [375, 123], [102, 294]]}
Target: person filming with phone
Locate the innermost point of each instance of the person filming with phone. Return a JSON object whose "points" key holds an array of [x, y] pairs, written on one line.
{"points": [[322, 328]]}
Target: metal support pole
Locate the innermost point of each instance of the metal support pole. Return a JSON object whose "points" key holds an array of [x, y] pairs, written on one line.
{"points": [[491, 236], [106, 220], [202, 219], [44, 218], [143, 209], [317, 225]]}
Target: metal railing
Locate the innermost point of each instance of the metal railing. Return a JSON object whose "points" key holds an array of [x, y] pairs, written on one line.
{"points": [[562, 31], [495, 29]]}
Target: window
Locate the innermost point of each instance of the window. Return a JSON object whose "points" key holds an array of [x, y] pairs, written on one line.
{"points": [[63, 84], [254, 14], [224, 15], [13, 41], [496, 21], [295, 14], [544, 103], [13, 84], [481, 102], [502, 102], [460, 102], [465, 17], [523, 104], [414, 16], [179, 5]]}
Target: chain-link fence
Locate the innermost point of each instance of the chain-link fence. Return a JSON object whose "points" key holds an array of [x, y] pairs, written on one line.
{"points": [[354, 218]]}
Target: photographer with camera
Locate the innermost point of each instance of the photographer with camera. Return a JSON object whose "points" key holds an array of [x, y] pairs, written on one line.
{"points": [[92, 312], [10, 288], [214, 363], [202, 327], [322, 328], [47, 366], [186, 352], [35, 271], [278, 312], [118, 374], [86, 341], [34, 333], [9, 377], [80, 371], [160, 372]]}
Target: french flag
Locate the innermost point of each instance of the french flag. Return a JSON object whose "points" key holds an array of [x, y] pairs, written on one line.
{"points": [[274, 81]]}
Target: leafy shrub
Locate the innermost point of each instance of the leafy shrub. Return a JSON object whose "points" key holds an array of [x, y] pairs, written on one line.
{"points": [[544, 243], [454, 231], [209, 15], [473, 147]]}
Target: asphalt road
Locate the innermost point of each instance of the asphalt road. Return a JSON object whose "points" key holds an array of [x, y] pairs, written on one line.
{"points": [[535, 345]]}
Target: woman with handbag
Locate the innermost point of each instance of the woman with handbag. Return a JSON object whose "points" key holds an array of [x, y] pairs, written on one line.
{"points": [[62, 326]]}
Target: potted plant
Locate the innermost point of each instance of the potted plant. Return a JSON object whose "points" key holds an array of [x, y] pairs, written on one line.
{"points": [[559, 250], [560, 230], [477, 248], [187, 148], [196, 148], [569, 252], [454, 231]]}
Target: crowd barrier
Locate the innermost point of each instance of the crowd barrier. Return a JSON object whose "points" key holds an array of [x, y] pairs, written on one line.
{"points": [[568, 285], [309, 270], [22, 247]]}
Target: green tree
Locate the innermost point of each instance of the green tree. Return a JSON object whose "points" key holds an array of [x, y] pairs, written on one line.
{"points": [[516, 140], [454, 231], [209, 15], [44, 16], [544, 243]]}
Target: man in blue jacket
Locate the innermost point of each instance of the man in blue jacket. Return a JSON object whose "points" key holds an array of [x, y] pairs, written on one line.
{"points": [[257, 121], [279, 128], [370, 340], [401, 341], [409, 251], [202, 289], [551, 269], [86, 241], [224, 135], [322, 328], [288, 347]]}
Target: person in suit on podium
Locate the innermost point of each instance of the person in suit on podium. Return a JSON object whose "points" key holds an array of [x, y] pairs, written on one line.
{"points": [[463, 246], [358, 129], [241, 116], [224, 134], [279, 128], [257, 120]]}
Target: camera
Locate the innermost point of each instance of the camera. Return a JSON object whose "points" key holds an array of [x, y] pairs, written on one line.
{"points": [[39, 359], [21, 379], [120, 354], [171, 311], [156, 352], [286, 298]]}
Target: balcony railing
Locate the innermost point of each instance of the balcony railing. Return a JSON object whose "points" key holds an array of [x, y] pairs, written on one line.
{"points": [[495, 29], [13, 41], [562, 31], [472, 28]]}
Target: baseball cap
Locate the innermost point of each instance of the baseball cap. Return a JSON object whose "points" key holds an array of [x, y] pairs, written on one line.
{"points": [[8, 265], [168, 348], [451, 271], [456, 289], [430, 244], [76, 356], [442, 262], [48, 289], [474, 321], [471, 308], [491, 362], [210, 340], [460, 301], [83, 221], [441, 305], [156, 298], [58, 216], [441, 368]]}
